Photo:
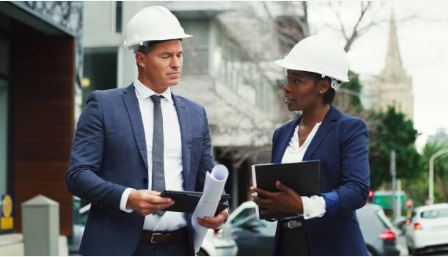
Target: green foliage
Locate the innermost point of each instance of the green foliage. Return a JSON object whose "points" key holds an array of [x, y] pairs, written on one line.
{"points": [[417, 187], [440, 169], [392, 131], [354, 85]]}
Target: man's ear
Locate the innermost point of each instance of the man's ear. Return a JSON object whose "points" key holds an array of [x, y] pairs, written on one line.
{"points": [[139, 59]]}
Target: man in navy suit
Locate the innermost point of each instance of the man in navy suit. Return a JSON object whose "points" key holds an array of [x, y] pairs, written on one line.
{"points": [[323, 224], [132, 143]]}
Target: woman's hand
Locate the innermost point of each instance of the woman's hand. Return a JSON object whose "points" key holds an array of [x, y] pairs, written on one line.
{"points": [[287, 200]]}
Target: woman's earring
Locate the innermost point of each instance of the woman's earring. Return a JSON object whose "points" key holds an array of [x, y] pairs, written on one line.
{"points": [[320, 92]]}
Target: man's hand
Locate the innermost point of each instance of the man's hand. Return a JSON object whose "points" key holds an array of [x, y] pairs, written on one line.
{"points": [[214, 222], [147, 202], [287, 200]]}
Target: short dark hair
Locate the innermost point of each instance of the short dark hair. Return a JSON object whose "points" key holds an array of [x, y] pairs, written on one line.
{"points": [[148, 46], [329, 95]]}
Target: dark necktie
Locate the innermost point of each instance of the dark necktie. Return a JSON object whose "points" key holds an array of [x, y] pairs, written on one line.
{"points": [[158, 176]]}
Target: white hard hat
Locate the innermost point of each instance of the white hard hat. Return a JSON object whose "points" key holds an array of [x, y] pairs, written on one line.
{"points": [[152, 23], [320, 55]]}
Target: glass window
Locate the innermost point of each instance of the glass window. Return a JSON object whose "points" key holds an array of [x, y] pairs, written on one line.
{"points": [[100, 70], [4, 57], [244, 215], [196, 49], [118, 16], [3, 136], [5, 22], [435, 214]]}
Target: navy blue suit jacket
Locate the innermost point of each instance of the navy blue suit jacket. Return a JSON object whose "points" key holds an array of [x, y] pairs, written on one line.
{"points": [[341, 144], [109, 154]]}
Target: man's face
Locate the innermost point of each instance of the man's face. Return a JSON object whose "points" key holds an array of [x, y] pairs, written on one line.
{"points": [[162, 66]]}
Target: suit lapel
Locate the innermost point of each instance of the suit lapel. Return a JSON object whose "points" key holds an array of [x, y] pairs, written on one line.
{"points": [[323, 131], [183, 116], [131, 103], [284, 139]]}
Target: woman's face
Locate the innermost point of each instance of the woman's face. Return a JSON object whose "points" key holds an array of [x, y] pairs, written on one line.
{"points": [[302, 91]]}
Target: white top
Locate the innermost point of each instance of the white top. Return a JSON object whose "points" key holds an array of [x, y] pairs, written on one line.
{"points": [[172, 155], [313, 206]]}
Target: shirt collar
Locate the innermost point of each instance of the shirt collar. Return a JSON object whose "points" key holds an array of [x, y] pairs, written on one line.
{"points": [[145, 92]]}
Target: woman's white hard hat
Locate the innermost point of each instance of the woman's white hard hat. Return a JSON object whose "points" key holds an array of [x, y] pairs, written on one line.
{"points": [[318, 54], [152, 23]]}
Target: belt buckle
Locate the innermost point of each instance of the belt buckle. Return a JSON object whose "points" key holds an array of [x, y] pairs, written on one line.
{"points": [[294, 224], [153, 241]]}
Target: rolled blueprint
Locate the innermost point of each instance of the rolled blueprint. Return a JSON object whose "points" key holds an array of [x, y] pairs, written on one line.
{"points": [[213, 188]]}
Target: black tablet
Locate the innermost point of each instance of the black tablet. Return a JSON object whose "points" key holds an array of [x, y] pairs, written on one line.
{"points": [[186, 201]]}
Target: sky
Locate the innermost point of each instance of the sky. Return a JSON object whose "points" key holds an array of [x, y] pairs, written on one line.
{"points": [[422, 28]]}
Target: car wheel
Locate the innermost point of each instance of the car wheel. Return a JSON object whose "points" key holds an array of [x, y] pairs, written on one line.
{"points": [[202, 253]]}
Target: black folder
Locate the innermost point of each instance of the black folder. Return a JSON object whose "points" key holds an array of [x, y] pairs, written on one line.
{"points": [[186, 201], [302, 177]]}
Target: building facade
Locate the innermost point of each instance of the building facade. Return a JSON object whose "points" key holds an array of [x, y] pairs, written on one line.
{"points": [[40, 60]]}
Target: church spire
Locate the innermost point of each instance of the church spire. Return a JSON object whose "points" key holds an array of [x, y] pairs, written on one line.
{"points": [[393, 57]]}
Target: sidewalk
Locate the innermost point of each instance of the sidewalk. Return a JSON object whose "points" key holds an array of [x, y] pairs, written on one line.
{"points": [[12, 245]]}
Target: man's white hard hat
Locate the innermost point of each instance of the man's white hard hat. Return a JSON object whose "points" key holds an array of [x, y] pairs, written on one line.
{"points": [[318, 54], [152, 23]]}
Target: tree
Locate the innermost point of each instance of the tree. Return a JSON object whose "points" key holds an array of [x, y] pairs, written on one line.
{"points": [[417, 187], [440, 169], [348, 96], [392, 131]]}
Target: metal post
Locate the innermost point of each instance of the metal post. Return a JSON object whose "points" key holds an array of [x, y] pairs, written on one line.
{"points": [[393, 173], [431, 173], [398, 199]]}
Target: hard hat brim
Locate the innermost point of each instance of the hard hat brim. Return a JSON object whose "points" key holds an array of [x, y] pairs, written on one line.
{"points": [[289, 66], [131, 45]]}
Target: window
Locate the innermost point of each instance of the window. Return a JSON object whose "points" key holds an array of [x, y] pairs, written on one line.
{"points": [[118, 16], [244, 215], [196, 50], [435, 214], [100, 70]]}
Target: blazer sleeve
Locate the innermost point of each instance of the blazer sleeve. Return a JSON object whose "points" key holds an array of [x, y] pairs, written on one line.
{"points": [[206, 162], [82, 177], [352, 194]]}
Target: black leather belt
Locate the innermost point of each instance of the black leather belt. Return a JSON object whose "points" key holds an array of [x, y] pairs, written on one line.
{"points": [[164, 237]]}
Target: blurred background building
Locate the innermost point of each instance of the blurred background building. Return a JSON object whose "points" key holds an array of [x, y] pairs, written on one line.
{"points": [[393, 86]]}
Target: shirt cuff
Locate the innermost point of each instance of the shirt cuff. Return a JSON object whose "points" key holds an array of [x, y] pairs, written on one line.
{"points": [[313, 207], [124, 200]]}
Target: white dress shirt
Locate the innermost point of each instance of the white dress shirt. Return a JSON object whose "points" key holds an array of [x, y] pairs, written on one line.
{"points": [[172, 155], [313, 206]]}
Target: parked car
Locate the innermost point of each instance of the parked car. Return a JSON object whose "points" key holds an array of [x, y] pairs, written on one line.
{"points": [[219, 243], [428, 230], [379, 234], [252, 235], [215, 243], [256, 237]]}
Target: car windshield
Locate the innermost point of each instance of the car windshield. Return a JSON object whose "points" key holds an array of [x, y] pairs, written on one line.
{"points": [[435, 214], [244, 215], [385, 220]]}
